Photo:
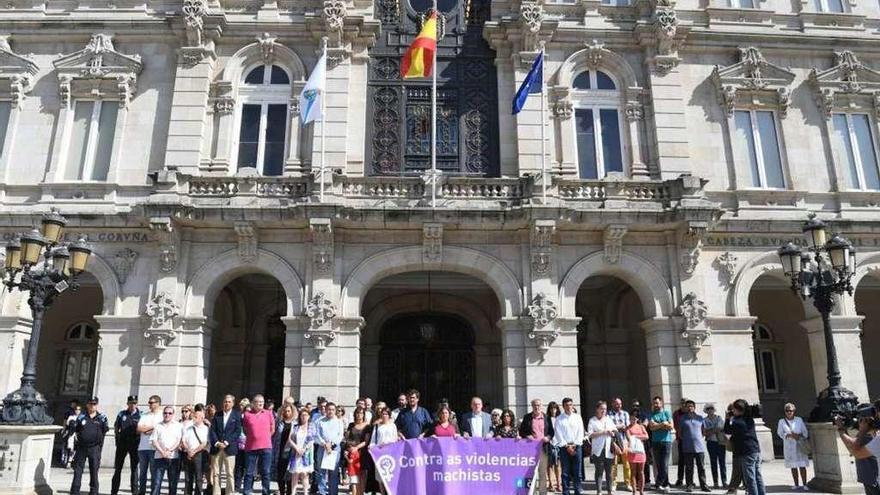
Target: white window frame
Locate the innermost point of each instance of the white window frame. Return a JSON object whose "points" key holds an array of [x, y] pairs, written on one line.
{"points": [[760, 351], [595, 100], [92, 143], [823, 7], [759, 147], [737, 4], [857, 154], [264, 94]]}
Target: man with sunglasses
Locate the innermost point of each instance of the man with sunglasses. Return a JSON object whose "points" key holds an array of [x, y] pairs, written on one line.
{"points": [[146, 452], [166, 439]]}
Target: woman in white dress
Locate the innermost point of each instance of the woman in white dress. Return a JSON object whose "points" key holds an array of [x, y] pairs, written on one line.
{"points": [[302, 437], [384, 432], [793, 432]]}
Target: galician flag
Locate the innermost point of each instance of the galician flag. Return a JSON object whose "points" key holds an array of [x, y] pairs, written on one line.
{"points": [[419, 58], [310, 99], [533, 83]]}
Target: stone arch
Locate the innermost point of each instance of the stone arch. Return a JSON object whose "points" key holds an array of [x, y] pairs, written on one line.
{"points": [[645, 279], [455, 259], [609, 61], [213, 275], [251, 54], [106, 277], [869, 266], [765, 263]]}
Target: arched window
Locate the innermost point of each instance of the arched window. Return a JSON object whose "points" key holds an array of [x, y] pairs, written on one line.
{"points": [[765, 359], [78, 363], [263, 119], [598, 132]]}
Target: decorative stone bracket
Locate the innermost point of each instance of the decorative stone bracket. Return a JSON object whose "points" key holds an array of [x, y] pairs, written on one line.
{"points": [[161, 311], [759, 82], [432, 243], [543, 311], [541, 241], [123, 263], [849, 84], [16, 73], [691, 245], [727, 262], [531, 15], [247, 241], [320, 311], [694, 312], [98, 71], [322, 244], [167, 237], [614, 242]]}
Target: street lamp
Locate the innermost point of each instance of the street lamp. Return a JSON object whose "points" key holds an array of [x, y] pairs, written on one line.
{"points": [[821, 271], [38, 263]]}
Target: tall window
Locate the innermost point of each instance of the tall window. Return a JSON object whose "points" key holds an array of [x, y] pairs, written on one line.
{"points": [[856, 149], [765, 359], [264, 119], [836, 6], [616, 3], [78, 361], [741, 4], [597, 124], [756, 139], [90, 140]]}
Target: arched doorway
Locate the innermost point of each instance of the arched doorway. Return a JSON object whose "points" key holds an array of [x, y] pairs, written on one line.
{"points": [[433, 331], [782, 350], [68, 347], [867, 300], [247, 344], [612, 354]]}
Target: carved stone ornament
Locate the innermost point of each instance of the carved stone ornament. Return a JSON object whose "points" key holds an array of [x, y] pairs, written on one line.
{"points": [[432, 243], [123, 262], [562, 109], [16, 74], [167, 236], [634, 111], [595, 51], [531, 15], [194, 12], [543, 311], [333, 14], [691, 244], [727, 263], [320, 311], [693, 310], [541, 243], [267, 46], [847, 84], [98, 71], [224, 105], [322, 244], [696, 338], [757, 80], [161, 310], [614, 243], [247, 241]]}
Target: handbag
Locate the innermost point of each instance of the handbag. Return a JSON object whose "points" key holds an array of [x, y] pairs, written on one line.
{"points": [[803, 445]]}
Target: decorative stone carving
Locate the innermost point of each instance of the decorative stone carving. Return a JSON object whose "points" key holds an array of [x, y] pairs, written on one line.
{"points": [[322, 244], [224, 105], [333, 14], [98, 71], [633, 111], [542, 311], [541, 240], [320, 311], [194, 12], [166, 236], [691, 244], [667, 36], [848, 78], [562, 109], [755, 78], [614, 242], [727, 263], [432, 179], [531, 15], [123, 262], [247, 241], [595, 51], [693, 310], [16, 74], [696, 338], [267, 46], [161, 311], [432, 243]]}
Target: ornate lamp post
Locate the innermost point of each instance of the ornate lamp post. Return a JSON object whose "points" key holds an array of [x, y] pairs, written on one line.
{"points": [[821, 271], [61, 264]]}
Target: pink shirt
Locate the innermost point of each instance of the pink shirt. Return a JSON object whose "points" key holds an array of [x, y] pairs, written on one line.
{"points": [[538, 426], [258, 430], [447, 431]]}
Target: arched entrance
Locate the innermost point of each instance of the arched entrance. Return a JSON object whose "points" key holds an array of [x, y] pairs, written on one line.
{"points": [[68, 347], [612, 354], [247, 344], [782, 349], [867, 300], [433, 331]]}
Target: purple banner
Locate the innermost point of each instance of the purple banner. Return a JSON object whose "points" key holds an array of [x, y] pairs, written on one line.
{"points": [[446, 466]]}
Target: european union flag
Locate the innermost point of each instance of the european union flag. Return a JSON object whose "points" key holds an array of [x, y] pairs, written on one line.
{"points": [[534, 83]]}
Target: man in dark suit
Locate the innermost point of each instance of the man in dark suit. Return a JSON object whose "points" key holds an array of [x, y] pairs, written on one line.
{"points": [[538, 426], [476, 423], [225, 430]]}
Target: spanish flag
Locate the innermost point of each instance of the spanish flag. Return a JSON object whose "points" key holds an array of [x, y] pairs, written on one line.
{"points": [[419, 58]]}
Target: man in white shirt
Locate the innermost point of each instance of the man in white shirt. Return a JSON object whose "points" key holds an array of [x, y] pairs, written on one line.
{"points": [[166, 439], [145, 427], [601, 431], [476, 423], [569, 437], [195, 444], [329, 435]]}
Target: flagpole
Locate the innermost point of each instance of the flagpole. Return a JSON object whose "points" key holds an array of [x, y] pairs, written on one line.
{"points": [[323, 120], [543, 130], [434, 115]]}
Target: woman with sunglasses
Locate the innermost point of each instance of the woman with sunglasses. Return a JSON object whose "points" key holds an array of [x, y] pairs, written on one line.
{"points": [[793, 432]]}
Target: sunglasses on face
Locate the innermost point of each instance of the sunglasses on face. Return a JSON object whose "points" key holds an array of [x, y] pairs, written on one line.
{"points": [[167, 413], [151, 402]]}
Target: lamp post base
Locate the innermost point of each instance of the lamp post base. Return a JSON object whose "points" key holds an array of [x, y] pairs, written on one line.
{"points": [[832, 401], [28, 454], [25, 406], [834, 467]]}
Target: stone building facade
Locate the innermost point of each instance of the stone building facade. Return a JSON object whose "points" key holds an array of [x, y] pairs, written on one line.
{"points": [[684, 142]]}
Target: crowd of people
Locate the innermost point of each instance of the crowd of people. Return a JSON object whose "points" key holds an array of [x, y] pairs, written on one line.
{"points": [[315, 448]]}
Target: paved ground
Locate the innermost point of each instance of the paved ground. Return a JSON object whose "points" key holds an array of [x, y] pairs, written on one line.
{"points": [[776, 478]]}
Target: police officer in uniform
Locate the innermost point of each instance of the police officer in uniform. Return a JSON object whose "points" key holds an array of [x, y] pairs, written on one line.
{"points": [[127, 439], [91, 426]]}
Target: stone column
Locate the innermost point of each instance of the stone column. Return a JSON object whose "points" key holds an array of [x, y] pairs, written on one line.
{"points": [[331, 360], [668, 104], [833, 467], [846, 330], [192, 84], [177, 368], [513, 361], [14, 334], [661, 344], [293, 355]]}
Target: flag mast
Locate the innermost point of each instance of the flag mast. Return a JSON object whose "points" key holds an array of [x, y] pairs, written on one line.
{"points": [[434, 114], [324, 121], [543, 130]]}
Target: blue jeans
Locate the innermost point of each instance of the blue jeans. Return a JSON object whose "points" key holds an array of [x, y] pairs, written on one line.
{"points": [[571, 470], [328, 483], [160, 466], [319, 477], [145, 464], [717, 454], [661, 462], [751, 473], [264, 457]]}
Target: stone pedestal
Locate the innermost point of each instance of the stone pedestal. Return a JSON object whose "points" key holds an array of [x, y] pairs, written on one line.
{"points": [[26, 457], [834, 467]]}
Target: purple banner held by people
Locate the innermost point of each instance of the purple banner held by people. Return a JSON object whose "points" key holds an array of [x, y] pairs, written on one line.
{"points": [[460, 466]]}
